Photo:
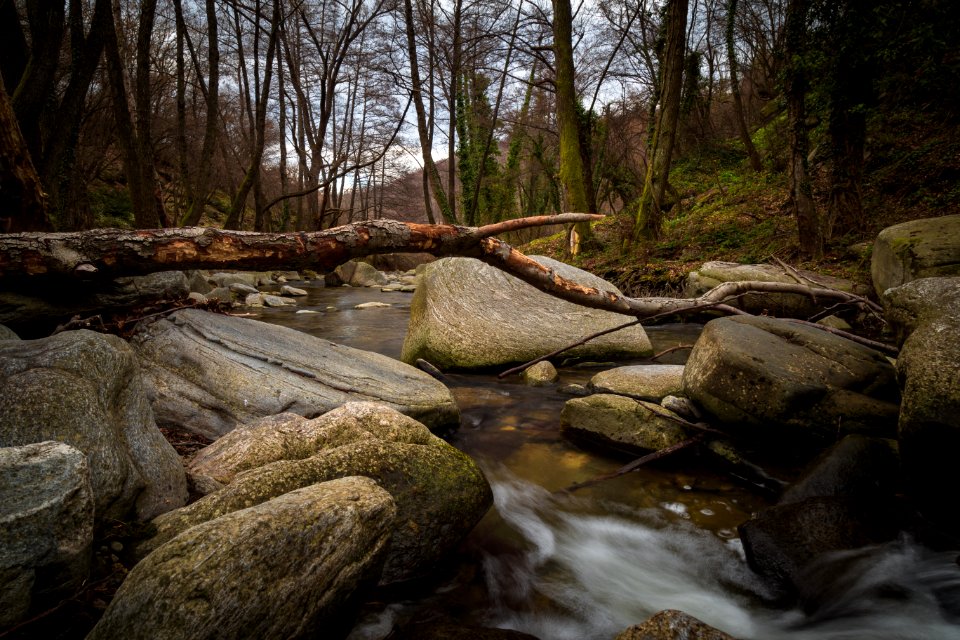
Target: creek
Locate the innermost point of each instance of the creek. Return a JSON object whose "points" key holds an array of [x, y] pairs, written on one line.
{"points": [[586, 565]]}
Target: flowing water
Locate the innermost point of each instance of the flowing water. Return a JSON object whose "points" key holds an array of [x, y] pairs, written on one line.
{"points": [[586, 565]]}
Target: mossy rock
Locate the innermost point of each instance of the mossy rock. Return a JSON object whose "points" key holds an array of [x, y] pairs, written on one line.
{"points": [[916, 249]]}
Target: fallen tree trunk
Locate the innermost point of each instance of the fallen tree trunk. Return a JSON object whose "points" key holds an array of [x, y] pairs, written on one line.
{"points": [[103, 254]]}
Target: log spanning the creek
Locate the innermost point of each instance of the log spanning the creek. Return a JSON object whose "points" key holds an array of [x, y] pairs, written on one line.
{"points": [[109, 253], [102, 254]]}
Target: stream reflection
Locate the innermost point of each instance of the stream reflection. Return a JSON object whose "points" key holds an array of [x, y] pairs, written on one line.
{"points": [[586, 566]]}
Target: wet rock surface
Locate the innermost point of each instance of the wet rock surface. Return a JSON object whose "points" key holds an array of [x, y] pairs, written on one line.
{"points": [[210, 372]]}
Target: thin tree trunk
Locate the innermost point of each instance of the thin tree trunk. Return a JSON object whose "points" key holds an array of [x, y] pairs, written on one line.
{"points": [[429, 167], [795, 89], [252, 174], [739, 116], [197, 186]]}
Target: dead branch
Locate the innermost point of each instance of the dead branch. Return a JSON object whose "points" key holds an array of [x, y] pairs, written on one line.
{"points": [[636, 464], [30, 258], [679, 347], [110, 253]]}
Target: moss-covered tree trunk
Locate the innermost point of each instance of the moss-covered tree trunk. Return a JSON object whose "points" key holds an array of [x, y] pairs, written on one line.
{"points": [[650, 209], [572, 173]]}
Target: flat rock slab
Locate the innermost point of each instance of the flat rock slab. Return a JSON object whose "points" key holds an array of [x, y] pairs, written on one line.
{"points": [[644, 382], [210, 372], [466, 314]]}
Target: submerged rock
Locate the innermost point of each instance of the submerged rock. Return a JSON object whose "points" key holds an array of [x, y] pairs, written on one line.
{"points": [[777, 378], [85, 389], [439, 491], [46, 527], [782, 542], [467, 314], [285, 568], [210, 372]]}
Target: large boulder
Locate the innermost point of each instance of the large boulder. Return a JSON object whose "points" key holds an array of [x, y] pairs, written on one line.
{"points": [[843, 501], [467, 314], [84, 389], [46, 527], [711, 274], [776, 378], [917, 249], [864, 469], [783, 542], [287, 436], [439, 491], [284, 568], [621, 423], [651, 382], [926, 313], [210, 372]]}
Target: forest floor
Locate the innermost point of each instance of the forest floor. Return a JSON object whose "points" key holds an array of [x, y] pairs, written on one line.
{"points": [[728, 212]]}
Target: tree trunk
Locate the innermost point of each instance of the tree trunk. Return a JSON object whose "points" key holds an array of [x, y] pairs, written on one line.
{"points": [[572, 171], [196, 183], [31, 259], [429, 167], [739, 115], [851, 93], [22, 206], [795, 89], [136, 153], [649, 220], [30, 96]]}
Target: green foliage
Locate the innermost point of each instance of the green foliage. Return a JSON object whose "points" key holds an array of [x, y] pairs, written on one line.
{"points": [[111, 207], [490, 200]]}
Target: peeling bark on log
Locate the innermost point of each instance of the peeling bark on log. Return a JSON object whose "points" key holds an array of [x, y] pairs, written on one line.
{"points": [[102, 254], [110, 253]]}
